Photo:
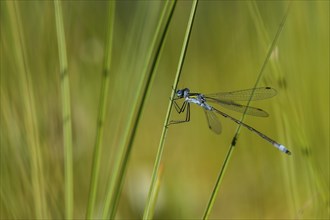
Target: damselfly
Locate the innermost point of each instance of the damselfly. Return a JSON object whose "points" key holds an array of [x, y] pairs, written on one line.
{"points": [[227, 100]]}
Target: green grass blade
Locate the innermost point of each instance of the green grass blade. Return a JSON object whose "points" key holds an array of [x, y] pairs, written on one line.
{"points": [[66, 111], [154, 64], [153, 190], [233, 143], [218, 183], [157, 188], [101, 114], [30, 122], [115, 185]]}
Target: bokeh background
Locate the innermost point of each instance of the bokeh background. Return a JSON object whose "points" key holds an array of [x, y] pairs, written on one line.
{"points": [[228, 46]]}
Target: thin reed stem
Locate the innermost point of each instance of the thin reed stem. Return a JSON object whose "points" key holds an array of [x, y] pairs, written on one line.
{"points": [[162, 35], [101, 114], [235, 138], [115, 184], [153, 190], [30, 113], [66, 110]]}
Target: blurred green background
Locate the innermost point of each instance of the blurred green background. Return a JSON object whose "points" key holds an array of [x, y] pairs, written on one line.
{"points": [[228, 46]]}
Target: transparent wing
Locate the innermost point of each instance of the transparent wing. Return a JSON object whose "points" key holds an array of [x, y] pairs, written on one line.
{"points": [[244, 95], [213, 121], [240, 108]]}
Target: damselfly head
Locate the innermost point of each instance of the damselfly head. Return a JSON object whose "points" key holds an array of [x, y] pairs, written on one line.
{"points": [[182, 93]]}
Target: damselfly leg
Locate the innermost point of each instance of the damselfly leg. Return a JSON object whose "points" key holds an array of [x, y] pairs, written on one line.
{"points": [[185, 107]]}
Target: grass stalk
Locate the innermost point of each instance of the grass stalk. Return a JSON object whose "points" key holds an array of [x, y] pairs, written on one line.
{"points": [[157, 188], [115, 185], [235, 138], [153, 190], [66, 111], [30, 114], [101, 114]]}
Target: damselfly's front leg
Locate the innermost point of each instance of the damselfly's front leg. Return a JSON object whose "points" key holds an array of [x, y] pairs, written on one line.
{"points": [[181, 109], [178, 108]]}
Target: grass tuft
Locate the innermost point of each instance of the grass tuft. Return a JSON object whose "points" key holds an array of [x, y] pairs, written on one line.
{"points": [[118, 94], [35, 176]]}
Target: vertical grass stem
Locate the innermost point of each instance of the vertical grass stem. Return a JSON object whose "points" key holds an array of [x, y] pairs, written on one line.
{"points": [[233, 143], [154, 63], [152, 195], [115, 185], [66, 110], [101, 114], [30, 113]]}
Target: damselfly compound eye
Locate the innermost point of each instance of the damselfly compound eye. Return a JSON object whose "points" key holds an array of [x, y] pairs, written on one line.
{"points": [[179, 93]]}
